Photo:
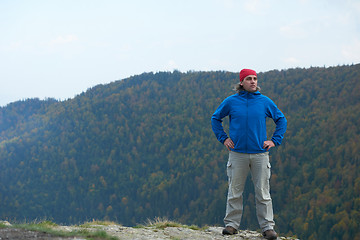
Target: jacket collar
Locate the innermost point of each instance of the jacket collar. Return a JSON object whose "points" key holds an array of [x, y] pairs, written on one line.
{"points": [[243, 93]]}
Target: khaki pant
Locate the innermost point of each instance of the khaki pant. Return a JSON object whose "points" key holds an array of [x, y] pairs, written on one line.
{"points": [[238, 167]]}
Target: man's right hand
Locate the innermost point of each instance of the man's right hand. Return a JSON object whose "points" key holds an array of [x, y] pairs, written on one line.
{"points": [[229, 144]]}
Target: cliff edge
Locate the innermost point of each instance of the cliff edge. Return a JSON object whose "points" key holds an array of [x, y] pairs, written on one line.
{"points": [[115, 231]]}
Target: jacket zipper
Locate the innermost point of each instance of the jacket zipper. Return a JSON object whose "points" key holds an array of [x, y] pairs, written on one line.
{"points": [[247, 121]]}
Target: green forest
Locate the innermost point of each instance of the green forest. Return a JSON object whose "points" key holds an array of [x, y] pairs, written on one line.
{"points": [[143, 147]]}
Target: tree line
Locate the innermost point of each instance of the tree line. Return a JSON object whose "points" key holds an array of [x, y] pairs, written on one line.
{"points": [[143, 147]]}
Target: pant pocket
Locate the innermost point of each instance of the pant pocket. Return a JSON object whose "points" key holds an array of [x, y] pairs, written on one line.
{"points": [[229, 169], [268, 170]]}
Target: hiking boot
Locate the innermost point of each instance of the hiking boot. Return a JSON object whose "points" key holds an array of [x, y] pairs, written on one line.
{"points": [[270, 234], [229, 231]]}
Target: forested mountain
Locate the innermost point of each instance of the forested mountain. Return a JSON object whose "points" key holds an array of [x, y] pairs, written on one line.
{"points": [[143, 147]]}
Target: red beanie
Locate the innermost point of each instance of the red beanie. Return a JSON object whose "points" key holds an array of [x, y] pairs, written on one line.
{"points": [[246, 72]]}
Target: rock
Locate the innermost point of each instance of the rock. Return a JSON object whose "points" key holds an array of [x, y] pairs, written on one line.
{"points": [[183, 233], [135, 233]]}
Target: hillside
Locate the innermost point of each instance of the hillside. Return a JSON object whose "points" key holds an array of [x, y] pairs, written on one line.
{"points": [[143, 147]]}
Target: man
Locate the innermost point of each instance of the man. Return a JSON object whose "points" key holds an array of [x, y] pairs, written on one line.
{"points": [[248, 150]]}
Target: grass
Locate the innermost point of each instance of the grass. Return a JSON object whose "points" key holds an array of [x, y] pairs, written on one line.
{"points": [[100, 223], [82, 230], [50, 227], [3, 225], [162, 223]]}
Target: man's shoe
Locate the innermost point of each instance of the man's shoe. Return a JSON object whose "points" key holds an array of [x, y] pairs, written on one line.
{"points": [[270, 234], [229, 231]]}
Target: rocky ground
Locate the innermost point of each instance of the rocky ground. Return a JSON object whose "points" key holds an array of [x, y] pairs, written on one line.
{"points": [[130, 233]]}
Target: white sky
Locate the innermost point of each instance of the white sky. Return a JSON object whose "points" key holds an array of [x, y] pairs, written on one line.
{"points": [[60, 48]]}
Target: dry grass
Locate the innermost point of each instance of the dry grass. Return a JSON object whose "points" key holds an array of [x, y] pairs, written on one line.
{"points": [[162, 223], [99, 223]]}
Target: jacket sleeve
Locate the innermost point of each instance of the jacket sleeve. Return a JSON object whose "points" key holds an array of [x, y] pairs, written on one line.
{"points": [[216, 121], [280, 121]]}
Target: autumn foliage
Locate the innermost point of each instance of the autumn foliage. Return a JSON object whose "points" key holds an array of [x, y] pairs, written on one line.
{"points": [[143, 147]]}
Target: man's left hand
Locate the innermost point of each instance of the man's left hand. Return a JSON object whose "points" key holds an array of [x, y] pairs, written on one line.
{"points": [[268, 144]]}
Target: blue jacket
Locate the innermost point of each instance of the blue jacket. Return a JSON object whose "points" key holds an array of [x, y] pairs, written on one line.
{"points": [[247, 115]]}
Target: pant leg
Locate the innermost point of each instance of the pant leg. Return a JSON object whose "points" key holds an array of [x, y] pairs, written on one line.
{"points": [[237, 171], [261, 172]]}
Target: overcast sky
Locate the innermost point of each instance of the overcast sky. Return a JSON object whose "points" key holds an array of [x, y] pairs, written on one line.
{"points": [[60, 48]]}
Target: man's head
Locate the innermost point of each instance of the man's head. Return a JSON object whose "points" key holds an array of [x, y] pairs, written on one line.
{"points": [[248, 80], [246, 72]]}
